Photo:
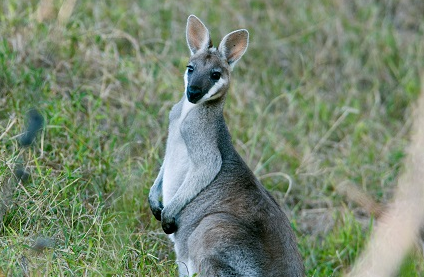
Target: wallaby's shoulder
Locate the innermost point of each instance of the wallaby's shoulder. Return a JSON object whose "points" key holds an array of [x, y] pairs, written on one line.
{"points": [[176, 111]]}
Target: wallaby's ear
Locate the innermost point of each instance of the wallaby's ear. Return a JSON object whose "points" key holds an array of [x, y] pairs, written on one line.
{"points": [[234, 45], [197, 35]]}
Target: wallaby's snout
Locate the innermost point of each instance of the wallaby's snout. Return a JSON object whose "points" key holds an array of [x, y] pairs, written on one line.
{"points": [[194, 94]]}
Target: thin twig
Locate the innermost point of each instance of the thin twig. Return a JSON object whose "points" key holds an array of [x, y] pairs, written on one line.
{"points": [[272, 174], [9, 126]]}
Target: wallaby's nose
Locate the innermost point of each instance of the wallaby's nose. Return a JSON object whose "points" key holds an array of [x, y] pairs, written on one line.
{"points": [[194, 94]]}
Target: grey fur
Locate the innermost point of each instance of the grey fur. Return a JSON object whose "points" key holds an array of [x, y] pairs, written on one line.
{"points": [[224, 222]]}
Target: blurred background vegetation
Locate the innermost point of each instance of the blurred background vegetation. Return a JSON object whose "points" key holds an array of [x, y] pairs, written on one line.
{"points": [[322, 97]]}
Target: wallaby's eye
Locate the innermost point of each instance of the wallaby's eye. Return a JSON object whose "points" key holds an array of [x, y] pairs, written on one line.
{"points": [[190, 69], [215, 76]]}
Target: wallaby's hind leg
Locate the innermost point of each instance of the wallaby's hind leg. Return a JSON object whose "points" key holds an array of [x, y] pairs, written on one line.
{"points": [[218, 248], [215, 266]]}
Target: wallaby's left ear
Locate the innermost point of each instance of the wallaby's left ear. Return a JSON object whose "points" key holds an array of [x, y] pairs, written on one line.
{"points": [[234, 45]]}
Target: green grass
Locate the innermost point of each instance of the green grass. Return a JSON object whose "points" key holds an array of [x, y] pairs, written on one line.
{"points": [[323, 94]]}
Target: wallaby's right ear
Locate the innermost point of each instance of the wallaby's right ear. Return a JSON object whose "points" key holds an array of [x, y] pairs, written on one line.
{"points": [[197, 35]]}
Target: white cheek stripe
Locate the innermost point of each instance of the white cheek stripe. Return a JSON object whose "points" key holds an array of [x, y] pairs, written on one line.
{"points": [[213, 90]]}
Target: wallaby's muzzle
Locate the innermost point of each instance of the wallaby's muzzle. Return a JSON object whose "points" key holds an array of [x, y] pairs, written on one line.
{"points": [[194, 94]]}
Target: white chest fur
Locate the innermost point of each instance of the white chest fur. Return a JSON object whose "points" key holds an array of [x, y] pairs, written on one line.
{"points": [[177, 161]]}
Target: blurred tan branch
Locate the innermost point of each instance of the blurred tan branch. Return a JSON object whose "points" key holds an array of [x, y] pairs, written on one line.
{"points": [[398, 229]]}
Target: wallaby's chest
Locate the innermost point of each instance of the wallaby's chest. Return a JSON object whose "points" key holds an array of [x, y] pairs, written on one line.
{"points": [[177, 159]]}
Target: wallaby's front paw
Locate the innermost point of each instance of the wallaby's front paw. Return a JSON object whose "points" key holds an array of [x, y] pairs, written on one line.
{"points": [[169, 227], [156, 209], [169, 224]]}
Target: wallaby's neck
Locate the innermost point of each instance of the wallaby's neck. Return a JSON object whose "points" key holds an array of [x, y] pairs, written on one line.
{"points": [[206, 111]]}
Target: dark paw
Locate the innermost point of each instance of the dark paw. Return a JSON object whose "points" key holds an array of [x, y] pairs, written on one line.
{"points": [[157, 210], [169, 226]]}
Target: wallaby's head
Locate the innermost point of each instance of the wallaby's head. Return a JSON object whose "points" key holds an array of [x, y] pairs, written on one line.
{"points": [[208, 72]]}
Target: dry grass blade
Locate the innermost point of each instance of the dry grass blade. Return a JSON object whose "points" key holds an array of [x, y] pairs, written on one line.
{"points": [[359, 197], [6, 191], [45, 10], [9, 126], [65, 11]]}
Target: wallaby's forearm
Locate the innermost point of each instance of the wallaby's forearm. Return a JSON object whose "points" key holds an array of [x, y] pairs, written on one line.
{"points": [[199, 176], [155, 194]]}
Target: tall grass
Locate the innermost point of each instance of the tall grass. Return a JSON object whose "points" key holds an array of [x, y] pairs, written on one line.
{"points": [[322, 96]]}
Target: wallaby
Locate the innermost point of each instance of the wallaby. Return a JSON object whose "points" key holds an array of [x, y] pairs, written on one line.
{"points": [[224, 222]]}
